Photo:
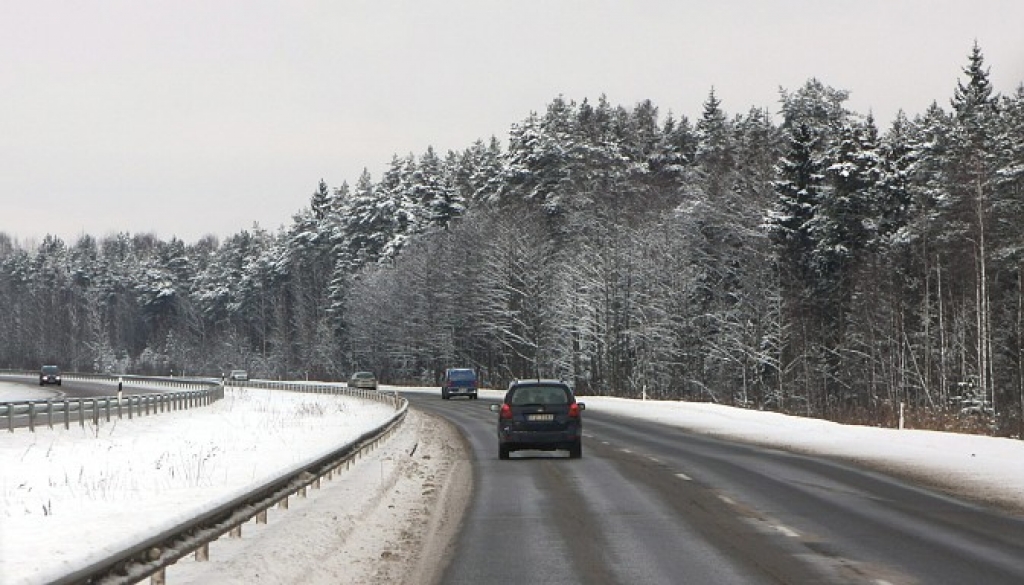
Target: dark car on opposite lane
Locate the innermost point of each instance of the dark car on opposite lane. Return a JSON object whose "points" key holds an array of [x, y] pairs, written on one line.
{"points": [[49, 375], [542, 415]]}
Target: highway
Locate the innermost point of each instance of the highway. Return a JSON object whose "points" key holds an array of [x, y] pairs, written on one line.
{"points": [[653, 504], [73, 388]]}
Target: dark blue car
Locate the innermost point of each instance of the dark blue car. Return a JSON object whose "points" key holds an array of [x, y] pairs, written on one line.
{"points": [[459, 382]]}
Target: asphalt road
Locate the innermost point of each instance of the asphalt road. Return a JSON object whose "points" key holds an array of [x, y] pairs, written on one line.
{"points": [[651, 504], [76, 388], [71, 389]]}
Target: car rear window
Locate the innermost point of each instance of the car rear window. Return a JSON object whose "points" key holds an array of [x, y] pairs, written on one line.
{"points": [[50, 369], [461, 375], [539, 395]]}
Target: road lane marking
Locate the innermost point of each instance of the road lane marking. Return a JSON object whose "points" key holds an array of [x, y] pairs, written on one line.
{"points": [[684, 477], [727, 500], [787, 531]]}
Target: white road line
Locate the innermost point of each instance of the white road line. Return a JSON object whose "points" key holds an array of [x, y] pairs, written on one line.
{"points": [[787, 531], [625, 450], [684, 477], [727, 500], [653, 458]]}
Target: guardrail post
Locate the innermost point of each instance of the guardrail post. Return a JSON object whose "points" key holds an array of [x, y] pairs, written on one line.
{"points": [[81, 413], [107, 407], [203, 553], [95, 412], [159, 578], [49, 413], [32, 416]]}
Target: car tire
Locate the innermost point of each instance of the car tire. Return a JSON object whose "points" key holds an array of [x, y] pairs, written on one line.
{"points": [[576, 450], [503, 452]]}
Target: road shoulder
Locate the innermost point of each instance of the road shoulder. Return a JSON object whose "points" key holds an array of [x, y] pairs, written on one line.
{"points": [[391, 518]]}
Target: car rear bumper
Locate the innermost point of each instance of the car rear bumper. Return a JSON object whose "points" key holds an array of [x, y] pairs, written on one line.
{"points": [[540, 440]]}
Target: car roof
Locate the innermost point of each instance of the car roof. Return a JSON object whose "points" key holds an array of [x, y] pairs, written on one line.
{"points": [[539, 382]]}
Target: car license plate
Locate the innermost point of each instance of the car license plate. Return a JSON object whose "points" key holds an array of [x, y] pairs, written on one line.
{"points": [[540, 417]]}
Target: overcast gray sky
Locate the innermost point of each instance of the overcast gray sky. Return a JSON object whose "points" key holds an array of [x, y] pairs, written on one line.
{"points": [[186, 118]]}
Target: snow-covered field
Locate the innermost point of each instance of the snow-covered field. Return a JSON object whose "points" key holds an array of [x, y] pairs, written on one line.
{"points": [[65, 493], [74, 496]]}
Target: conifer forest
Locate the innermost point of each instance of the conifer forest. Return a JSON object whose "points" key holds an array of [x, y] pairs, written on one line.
{"points": [[803, 260]]}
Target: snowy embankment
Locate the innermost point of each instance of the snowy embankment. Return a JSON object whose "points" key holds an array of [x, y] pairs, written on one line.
{"points": [[74, 496]]}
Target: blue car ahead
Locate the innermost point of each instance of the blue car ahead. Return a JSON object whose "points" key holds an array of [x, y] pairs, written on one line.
{"points": [[459, 382]]}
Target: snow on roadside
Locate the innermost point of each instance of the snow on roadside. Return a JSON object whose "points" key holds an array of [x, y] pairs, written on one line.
{"points": [[387, 520], [985, 469], [75, 496], [18, 393]]}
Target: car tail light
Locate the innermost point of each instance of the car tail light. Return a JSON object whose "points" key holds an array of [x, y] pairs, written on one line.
{"points": [[574, 410], [506, 412]]}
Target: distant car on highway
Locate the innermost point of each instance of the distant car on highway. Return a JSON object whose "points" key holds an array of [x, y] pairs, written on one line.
{"points": [[459, 382], [238, 376], [542, 415], [365, 380], [49, 375]]}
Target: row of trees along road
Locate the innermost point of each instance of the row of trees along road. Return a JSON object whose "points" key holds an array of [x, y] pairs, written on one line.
{"points": [[816, 266]]}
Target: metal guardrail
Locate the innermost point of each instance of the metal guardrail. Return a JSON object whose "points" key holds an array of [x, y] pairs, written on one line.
{"points": [[32, 413], [151, 556]]}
